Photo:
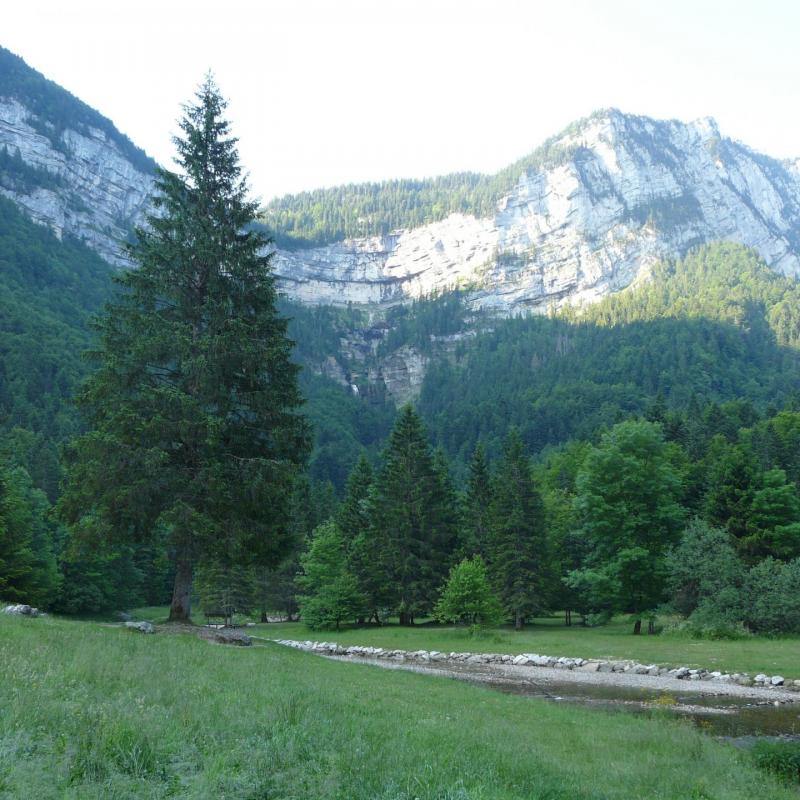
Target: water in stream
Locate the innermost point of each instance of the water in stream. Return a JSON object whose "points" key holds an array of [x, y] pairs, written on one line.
{"points": [[740, 719], [731, 717]]}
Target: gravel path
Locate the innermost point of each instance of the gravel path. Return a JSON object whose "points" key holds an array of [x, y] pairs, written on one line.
{"points": [[542, 676]]}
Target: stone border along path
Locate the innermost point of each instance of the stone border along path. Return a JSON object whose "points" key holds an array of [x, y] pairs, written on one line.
{"points": [[429, 657]]}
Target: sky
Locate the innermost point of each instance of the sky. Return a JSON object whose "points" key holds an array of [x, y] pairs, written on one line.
{"points": [[324, 92]]}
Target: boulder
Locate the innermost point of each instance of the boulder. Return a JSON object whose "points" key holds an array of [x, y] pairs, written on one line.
{"points": [[777, 680], [22, 610], [682, 672], [224, 636], [141, 627]]}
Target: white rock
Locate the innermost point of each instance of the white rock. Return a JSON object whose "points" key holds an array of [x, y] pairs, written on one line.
{"points": [[577, 230], [141, 627]]}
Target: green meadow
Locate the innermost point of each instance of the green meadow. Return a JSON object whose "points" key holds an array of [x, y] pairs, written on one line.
{"points": [[89, 710]]}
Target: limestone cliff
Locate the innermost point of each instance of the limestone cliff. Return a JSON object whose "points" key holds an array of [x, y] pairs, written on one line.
{"points": [[626, 192], [76, 182]]}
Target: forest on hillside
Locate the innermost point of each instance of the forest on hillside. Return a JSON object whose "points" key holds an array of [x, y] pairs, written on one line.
{"points": [[705, 354]]}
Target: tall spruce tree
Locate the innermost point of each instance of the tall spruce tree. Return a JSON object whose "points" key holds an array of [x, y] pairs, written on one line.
{"points": [[352, 516], [194, 410], [518, 550], [411, 520], [476, 508]]}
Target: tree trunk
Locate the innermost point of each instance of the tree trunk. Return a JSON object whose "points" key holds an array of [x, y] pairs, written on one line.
{"points": [[264, 617], [404, 617], [517, 621], [651, 626], [637, 627], [568, 618], [181, 608]]}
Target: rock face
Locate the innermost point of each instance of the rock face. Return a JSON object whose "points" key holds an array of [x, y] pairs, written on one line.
{"points": [[611, 195], [75, 183], [621, 193]]}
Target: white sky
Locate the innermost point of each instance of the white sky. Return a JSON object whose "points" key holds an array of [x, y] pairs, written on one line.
{"points": [[334, 91]]}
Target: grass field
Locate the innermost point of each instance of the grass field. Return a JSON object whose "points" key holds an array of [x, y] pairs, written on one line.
{"points": [[92, 711], [551, 637]]}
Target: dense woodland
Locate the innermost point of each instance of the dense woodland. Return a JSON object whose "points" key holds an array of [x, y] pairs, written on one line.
{"points": [[697, 369]]}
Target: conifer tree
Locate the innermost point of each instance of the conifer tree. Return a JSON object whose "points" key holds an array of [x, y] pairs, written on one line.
{"points": [[774, 519], [447, 525], [411, 518], [518, 563], [28, 571], [225, 588], [476, 518], [352, 516], [733, 480], [194, 410]]}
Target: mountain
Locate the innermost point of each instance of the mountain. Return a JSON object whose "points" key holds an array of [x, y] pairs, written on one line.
{"points": [[613, 199], [581, 218], [66, 165]]}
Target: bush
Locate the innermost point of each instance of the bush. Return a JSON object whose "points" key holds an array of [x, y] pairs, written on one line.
{"points": [[779, 758], [692, 629], [773, 589], [467, 597]]}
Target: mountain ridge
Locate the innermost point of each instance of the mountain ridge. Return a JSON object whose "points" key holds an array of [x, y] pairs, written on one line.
{"points": [[621, 193], [584, 215]]}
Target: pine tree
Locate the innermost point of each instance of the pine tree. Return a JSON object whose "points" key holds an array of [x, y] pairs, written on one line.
{"points": [[194, 410], [28, 571], [352, 517], [476, 518], [733, 480], [225, 588], [447, 522], [411, 520], [774, 519], [518, 564]]}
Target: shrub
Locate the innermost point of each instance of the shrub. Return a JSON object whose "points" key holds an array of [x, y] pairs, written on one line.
{"points": [[779, 758], [467, 596]]}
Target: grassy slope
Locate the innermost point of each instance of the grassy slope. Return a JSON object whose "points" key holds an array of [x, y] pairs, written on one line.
{"points": [[90, 711], [551, 637]]}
